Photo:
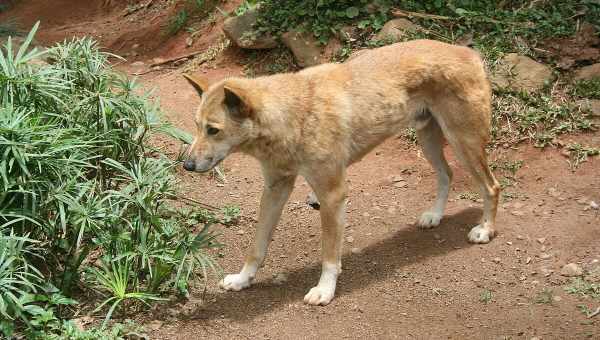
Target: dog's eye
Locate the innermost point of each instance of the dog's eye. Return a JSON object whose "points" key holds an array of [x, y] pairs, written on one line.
{"points": [[210, 130]]}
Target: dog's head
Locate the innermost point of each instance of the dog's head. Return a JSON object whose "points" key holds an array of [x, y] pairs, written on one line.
{"points": [[224, 122]]}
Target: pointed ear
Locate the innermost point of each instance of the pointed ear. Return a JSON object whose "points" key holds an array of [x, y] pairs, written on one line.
{"points": [[239, 106], [200, 84]]}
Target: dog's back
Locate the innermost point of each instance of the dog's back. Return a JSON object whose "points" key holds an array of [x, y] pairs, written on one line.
{"points": [[357, 104]]}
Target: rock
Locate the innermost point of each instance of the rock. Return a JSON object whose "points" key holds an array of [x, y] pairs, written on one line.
{"points": [[541, 240], [591, 106], [397, 179], [594, 205], [395, 30], [241, 32], [280, 278], [400, 184], [554, 192], [307, 50], [349, 239], [545, 256], [189, 41], [496, 260], [81, 322], [241, 232], [155, 325], [348, 33], [331, 50], [158, 60], [546, 272], [521, 73], [588, 72], [571, 269], [355, 250]]}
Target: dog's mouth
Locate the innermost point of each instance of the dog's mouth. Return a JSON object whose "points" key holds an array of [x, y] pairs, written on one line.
{"points": [[203, 165], [208, 164]]}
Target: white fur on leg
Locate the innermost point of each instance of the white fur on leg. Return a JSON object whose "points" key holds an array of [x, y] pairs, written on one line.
{"points": [[323, 293], [481, 234], [430, 219], [237, 282]]}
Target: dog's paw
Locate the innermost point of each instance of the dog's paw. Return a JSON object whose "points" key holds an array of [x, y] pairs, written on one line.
{"points": [[430, 219], [481, 234], [235, 282], [313, 201], [319, 295]]}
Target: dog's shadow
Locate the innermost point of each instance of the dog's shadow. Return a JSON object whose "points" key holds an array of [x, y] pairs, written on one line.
{"points": [[373, 264]]}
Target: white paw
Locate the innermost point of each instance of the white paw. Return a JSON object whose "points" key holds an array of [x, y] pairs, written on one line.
{"points": [[480, 234], [430, 219], [313, 201], [235, 282], [319, 295]]}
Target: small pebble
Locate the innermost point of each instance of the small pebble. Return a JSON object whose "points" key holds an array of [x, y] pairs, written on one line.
{"points": [[571, 269]]}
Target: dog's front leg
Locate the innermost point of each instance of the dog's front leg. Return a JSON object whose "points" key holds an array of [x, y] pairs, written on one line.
{"points": [[276, 192], [332, 195]]}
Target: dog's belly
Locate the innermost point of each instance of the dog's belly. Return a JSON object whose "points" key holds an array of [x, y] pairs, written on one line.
{"points": [[383, 121]]}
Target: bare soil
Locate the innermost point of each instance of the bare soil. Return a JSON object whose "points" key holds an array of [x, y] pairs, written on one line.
{"points": [[398, 281]]}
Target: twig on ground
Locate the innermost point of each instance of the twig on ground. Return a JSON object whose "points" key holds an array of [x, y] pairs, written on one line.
{"points": [[407, 14], [594, 313], [170, 60], [205, 205], [154, 69]]}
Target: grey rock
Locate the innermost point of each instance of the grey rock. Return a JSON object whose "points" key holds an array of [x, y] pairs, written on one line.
{"points": [[571, 269], [307, 50], [240, 30], [396, 29], [521, 73], [588, 72]]}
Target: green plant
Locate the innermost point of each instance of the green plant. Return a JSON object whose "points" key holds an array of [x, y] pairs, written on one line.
{"points": [[117, 280], [322, 18], [231, 214], [545, 296], [245, 6], [583, 288], [540, 118], [177, 22], [579, 154], [587, 88], [79, 187], [485, 296], [186, 10]]}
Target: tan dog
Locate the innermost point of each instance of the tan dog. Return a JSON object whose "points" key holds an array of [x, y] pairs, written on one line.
{"points": [[317, 122]]}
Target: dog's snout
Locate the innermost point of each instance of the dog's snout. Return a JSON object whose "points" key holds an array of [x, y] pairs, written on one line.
{"points": [[189, 165]]}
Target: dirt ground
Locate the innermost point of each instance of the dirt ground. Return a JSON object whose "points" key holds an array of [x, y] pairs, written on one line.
{"points": [[398, 281]]}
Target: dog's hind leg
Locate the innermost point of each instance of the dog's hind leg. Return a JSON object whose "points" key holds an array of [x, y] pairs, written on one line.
{"points": [[431, 138], [468, 133], [276, 192], [331, 191]]}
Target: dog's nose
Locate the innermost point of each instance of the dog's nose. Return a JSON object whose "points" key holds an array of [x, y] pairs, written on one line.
{"points": [[189, 165]]}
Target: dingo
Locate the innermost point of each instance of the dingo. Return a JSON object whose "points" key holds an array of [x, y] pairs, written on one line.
{"points": [[318, 121]]}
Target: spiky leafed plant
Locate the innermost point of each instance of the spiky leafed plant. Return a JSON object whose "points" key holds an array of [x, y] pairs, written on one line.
{"points": [[77, 180]]}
